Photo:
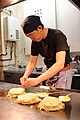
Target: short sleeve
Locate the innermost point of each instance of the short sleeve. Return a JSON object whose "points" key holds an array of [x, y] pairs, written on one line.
{"points": [[34, 49], [61, 41]]}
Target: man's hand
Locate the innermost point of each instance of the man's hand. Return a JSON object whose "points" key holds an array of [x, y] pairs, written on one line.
{"points": [[29, 82], [23, 80]]}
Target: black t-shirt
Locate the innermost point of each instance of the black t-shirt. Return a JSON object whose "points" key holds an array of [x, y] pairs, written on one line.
{"points": [[54, 42]]}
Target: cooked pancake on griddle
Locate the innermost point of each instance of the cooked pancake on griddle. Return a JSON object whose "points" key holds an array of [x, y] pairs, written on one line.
{"points": [[51, 104], [28, 98], [14, 92]]}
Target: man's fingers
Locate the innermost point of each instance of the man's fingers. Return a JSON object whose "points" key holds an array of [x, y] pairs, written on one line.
{"points": [[24, 82]]}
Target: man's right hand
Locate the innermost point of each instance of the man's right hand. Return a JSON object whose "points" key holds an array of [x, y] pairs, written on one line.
{"points": [[23, 80]]}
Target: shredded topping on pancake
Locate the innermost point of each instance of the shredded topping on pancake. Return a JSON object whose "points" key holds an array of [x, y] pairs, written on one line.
{"points": [[28, 98], [14, 92], [51, 104]]}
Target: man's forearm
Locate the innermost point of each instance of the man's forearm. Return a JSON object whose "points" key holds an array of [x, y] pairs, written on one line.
{"points": [[55, 68], [50, 72], [29, 70], [31, 65]]}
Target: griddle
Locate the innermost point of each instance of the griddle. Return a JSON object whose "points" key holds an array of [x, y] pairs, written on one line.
{"points": [[10, 110]]}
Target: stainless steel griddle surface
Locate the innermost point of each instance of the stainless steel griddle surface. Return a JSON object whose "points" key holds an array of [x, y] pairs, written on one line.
{"points": [[10, 110]]}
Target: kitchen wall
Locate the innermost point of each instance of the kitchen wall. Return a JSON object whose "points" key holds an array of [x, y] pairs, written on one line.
{"points": [[67, 19]]}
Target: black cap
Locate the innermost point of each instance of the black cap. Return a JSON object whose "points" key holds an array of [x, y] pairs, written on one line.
{"points": [[31, 23]]}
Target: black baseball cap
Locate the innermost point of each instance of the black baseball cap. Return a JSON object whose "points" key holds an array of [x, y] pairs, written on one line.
{"points": [[31, 23]]}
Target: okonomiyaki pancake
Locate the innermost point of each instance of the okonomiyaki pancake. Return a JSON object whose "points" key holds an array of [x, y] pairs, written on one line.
{"points": [[51, 104], [28, 98], [14, 92]]}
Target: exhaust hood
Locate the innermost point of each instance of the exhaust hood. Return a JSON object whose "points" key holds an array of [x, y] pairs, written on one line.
{"points": [[6, 3]]}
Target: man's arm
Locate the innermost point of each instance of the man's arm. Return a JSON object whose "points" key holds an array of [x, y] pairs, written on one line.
{"points": [[31, 65], [55, 68]]}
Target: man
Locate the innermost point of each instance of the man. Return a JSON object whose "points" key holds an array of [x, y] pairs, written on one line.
{"points": [[52, 45]]}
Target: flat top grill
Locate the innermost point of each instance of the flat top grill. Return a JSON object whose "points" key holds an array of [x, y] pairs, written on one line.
{"points": [[10, 110]]}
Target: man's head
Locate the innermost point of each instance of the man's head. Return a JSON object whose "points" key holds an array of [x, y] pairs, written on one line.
{"points": [[31, 23], [33, 28]]}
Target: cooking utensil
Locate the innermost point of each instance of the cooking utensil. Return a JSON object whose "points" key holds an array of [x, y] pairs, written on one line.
{"points": [[44, 88], [70, 94], [66, 98]]}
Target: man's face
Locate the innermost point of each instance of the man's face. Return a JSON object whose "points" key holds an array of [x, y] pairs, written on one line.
{"points": [[35, 35]]}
